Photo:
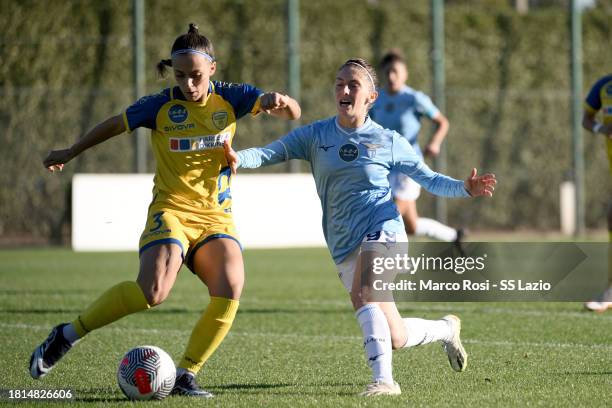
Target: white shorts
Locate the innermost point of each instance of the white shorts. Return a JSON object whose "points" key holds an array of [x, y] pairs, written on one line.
{"points": [[372, 241], [403, 187]]}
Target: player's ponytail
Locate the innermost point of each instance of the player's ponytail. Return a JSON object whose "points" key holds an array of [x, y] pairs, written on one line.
{"points": [[192, 41], [162, 67], [193, 29]]}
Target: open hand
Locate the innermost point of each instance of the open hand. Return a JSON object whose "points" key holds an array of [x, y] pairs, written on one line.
{"points": [[56, 159], [480, 185]]}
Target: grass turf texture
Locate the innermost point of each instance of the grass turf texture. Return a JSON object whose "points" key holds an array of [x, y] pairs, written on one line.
{"points": [[295, 341]]}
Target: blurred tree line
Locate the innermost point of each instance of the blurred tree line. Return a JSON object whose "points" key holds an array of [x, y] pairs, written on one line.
{"points": [[66, 65]]}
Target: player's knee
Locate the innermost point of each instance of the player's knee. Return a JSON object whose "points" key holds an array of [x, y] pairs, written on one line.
{"points": [[234, 289], [230, 288], [156, 294], [357, 299]]}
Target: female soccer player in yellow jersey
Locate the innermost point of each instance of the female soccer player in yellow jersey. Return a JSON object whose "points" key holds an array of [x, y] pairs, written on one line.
{"points": [[189, 219], [600, 99]]}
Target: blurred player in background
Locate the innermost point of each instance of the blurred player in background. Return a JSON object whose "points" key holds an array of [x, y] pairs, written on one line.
{"points": [[189, 219], [400, 108], [600, 99], [351, 157]]}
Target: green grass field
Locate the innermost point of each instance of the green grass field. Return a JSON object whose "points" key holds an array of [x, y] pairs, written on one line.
{"points": [[295, 341]]}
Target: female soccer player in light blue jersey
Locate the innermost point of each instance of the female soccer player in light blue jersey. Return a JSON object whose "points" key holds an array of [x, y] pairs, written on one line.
{"points": [[351, 157], [401, 108]]}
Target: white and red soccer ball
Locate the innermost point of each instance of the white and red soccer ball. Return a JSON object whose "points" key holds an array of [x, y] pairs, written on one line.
{"points": [[146, 372]]}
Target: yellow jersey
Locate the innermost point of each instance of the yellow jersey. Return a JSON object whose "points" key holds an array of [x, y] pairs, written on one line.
{"points": [[600, 99], [187, 140]]}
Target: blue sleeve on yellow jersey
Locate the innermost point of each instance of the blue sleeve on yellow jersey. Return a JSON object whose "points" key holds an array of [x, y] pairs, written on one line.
{"points": [[425, 106], [593, 99], [144, 111], [407, 161], [294, 145], [242, 97]]}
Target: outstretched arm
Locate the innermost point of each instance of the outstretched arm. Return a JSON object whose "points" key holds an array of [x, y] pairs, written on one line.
{"points": [[255, 157], [279, 105], [408, 162], [113, 126], [295, 145]]}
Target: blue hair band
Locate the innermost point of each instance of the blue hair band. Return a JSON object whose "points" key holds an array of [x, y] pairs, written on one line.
{"points": [[192, 51]]}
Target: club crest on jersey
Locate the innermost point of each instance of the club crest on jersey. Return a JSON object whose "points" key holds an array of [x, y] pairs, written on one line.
{"points": [[348, 152], [178, 113], [219, 119], [371, 149]]}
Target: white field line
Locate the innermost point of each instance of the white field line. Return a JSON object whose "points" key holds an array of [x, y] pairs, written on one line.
{"points": [[476, 307], [448, 307], [322, 337]]}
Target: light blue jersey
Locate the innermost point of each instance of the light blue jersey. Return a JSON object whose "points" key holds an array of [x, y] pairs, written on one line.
{"points": [[403, 111], [350, 168]]}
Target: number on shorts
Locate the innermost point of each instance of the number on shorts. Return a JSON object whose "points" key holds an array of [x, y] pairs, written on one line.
{"points": [[158, 221]]}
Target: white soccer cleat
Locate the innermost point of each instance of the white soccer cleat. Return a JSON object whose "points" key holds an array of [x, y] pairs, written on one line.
{"points": [[381, 388], [602, 303], [457, 356]]}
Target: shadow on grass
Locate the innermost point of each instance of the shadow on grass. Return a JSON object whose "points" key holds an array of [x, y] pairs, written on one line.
{"points": [[98, 395], [250, 386], [275, 389], [587, 373]]}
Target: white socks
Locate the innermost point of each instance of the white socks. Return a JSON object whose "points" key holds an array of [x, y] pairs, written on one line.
{"points": [[376, 341], [70, 334], [421, 331], [434, 229]]}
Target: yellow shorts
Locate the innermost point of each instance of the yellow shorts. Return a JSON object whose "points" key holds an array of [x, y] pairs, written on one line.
{"points": [[189, 230]]}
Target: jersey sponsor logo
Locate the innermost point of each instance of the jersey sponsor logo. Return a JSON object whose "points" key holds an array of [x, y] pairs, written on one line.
{"points": [[219, 119], [180, 126], [197, 143], [178, 113], [326, 148], [371, 149], [348, 152]]}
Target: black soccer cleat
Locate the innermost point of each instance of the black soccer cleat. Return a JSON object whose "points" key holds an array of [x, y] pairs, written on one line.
{"points": [[185, 384], [46, 355]]}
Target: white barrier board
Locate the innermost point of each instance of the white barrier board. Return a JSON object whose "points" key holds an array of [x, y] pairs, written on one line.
{"points": [[270, 210]]}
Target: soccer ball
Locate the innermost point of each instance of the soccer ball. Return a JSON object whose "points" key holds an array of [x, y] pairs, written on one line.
{"points": [[146, 372]]}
